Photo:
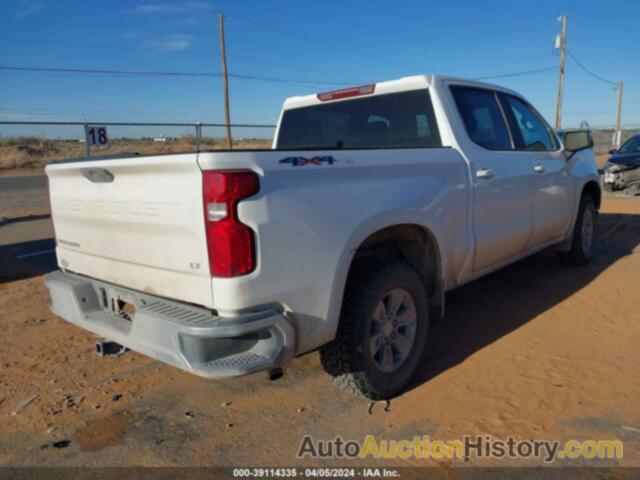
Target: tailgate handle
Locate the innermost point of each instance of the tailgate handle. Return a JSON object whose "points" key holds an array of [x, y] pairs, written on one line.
{"points": [[97, 175]]}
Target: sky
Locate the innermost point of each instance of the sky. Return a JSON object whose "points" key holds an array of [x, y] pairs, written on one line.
{"points": [[301, 47]]}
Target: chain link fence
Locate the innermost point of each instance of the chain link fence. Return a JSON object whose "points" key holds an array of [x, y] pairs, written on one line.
{"points": [[27, 144]]}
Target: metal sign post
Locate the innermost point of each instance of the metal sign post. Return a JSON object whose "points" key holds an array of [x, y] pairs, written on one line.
{"points": [[86, 141]]}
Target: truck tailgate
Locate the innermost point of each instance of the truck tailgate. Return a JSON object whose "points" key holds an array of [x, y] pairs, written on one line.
{"points": [[136, 222]]}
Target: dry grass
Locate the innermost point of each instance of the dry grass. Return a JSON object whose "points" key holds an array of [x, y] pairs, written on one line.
{"points": [[35, 153]]}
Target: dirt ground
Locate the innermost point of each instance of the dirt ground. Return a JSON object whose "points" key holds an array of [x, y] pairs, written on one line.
{"points": [[23, 196], [536, 350]]}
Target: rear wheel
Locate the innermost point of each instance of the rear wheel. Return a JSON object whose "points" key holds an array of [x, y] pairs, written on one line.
{"points": [[585, 234], [382, 330]]}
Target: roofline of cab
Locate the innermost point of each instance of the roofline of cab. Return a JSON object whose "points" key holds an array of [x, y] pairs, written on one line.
{"points": [[403, 84]]}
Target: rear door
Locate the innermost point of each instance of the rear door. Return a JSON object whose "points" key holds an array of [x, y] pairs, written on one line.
{"points": [[551, 202], [503, 221], [136, 222]]}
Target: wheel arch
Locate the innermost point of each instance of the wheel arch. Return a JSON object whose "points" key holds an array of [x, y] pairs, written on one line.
{"points": [[592, 188], [414, 242]]}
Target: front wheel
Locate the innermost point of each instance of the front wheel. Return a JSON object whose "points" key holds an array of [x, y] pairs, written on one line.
{"points": [[585, 234], [382, 330]]}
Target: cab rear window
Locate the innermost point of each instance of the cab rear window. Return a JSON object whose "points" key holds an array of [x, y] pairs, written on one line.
{"points": [[394, 120]]}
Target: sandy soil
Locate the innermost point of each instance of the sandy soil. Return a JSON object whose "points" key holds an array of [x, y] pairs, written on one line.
{"points": [[537, 350]]}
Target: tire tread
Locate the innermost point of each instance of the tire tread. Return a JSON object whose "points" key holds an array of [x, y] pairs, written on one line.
{"points": [[339, 358]]}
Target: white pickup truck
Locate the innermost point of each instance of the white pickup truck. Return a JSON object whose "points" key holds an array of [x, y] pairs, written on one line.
{"points": [[373, 202]]}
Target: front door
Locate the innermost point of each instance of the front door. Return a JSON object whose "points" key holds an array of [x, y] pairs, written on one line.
{"points": [[502, 179], [551, 201]]}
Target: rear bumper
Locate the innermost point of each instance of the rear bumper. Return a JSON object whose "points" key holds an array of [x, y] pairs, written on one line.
{"points": [[185, 336]]}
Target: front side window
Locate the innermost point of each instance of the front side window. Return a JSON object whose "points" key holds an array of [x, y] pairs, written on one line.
{"points": [[394, 120], [482, 117], [535, 135]]}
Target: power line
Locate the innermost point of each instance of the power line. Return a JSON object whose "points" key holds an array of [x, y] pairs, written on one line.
{"points": [[285, 66], [165, 74], [589, 71], [254, 59], [619, 86], [289, 81], [157, 51], [281, 65], [476, 66], [344, 49], [518, 74], [219, 75]]}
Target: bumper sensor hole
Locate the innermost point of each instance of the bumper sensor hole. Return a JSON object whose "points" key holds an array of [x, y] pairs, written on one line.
{"points": [[123, 309]]}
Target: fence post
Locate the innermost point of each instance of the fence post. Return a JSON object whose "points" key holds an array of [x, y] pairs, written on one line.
{"points": [[87, 147], [198, 126]]}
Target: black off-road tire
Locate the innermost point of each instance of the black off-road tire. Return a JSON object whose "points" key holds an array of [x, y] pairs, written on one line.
{"points": [[578, 255], [347, 358]]}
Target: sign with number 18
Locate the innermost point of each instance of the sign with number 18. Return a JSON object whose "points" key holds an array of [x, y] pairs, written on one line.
{"points": [[96, 135]]}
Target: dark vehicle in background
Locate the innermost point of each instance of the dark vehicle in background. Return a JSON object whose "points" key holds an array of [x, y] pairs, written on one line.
{"points": [[622, 169]]}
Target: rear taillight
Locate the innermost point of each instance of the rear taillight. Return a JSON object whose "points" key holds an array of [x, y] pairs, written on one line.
{"points": [[230, 243]]}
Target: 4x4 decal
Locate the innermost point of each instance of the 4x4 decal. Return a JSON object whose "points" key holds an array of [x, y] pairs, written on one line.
{"points": [[302, 161]]}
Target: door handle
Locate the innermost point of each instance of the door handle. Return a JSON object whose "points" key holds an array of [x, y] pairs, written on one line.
{"points": [[485, 173], [538, 168]]}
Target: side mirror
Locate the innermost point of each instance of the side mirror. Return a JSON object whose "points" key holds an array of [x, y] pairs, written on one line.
{"points": [[576, 140], [613, 151]]}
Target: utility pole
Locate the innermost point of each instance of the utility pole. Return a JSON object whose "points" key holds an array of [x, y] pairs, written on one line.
{"points": [[618, 139], [561, 43], [226, 82]]}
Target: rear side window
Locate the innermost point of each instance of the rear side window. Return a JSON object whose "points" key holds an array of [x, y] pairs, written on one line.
{"points": [[535, 134], [394, 120], [482, 117]]}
